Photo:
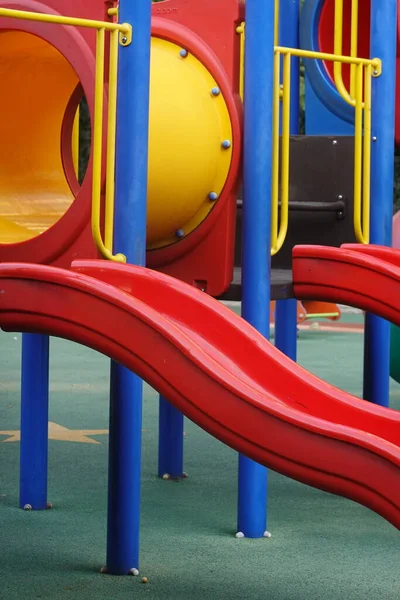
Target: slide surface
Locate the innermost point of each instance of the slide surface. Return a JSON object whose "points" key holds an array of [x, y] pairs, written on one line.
{"points": [[366, 277], [218, 371]]}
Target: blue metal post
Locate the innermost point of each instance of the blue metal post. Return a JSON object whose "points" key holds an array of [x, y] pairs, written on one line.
{"points": [[256, 262], [170, 442], [383, 46], [126, 389], [34, 421], [286, 310]]}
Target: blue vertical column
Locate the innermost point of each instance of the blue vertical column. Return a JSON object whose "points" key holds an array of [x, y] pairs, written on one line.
{"points": [[383, 46], [34, 421], [170, 441], [126, 389], [256, 253], [286, 310]]}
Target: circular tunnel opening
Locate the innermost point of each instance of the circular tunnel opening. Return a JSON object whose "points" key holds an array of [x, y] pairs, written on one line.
{"points": [[37, 85]]}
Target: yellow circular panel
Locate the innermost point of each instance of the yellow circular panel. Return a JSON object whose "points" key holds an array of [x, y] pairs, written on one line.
{"points": [[187, 159]]}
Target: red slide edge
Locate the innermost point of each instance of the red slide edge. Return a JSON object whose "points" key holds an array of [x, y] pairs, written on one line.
{"points": [[48, 300]]}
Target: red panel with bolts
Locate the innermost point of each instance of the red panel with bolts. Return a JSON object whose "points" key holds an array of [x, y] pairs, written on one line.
{"points": [[70, 237], [208, 30], [205, 257]]}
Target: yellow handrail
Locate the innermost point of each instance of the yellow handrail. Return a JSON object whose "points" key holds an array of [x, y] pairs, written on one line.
{"points": [[275, 153], [280, 220], [338, 50], [366, 206], [361, 67], [124, 29], [358, 151], [276, 22], [75, 143], [111, 141], [120, 34], [353, 43], [365, 69], [347, 60], [241, 30], [285, 160]]}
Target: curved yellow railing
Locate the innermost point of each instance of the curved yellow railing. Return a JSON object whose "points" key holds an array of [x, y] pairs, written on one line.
{"points": [[360, 97], [338, 50], [353, 42], [75, 143], [119, 34], [364, 71], [281, 153], [276, 22], [349, 96], [241, 31]]}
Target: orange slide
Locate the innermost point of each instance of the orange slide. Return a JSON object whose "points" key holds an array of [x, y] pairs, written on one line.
{"points": [[219, 371], [312, 309]]}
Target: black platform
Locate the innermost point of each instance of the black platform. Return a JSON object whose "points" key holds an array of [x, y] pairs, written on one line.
{"points": [[321, 188], [281, 285]]}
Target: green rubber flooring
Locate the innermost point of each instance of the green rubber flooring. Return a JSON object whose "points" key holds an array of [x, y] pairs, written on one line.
{"points": [[322, 547]]}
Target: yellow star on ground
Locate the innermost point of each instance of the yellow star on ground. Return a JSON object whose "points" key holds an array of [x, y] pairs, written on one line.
{"points": [[62, 434]]}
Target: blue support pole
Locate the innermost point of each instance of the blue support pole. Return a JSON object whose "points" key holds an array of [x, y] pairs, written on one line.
{"points": [[126, 389], [383, 46], [286, 310], [34, 421], [256, 262], [286, 327], [170, 442]]}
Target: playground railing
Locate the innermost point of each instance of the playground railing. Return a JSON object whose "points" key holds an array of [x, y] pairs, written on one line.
{"points": [[365, 69], [119, 34], [359, 96]]}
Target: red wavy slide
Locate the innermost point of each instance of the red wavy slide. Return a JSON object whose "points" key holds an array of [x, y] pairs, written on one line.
{"points": [[218, 371]]}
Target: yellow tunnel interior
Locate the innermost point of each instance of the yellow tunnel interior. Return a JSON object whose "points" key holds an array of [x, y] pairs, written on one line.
{"points": [[189, 123], [36, 85]]}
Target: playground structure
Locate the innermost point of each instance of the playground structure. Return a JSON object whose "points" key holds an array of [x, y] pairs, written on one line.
{"points": [[54, 229]]}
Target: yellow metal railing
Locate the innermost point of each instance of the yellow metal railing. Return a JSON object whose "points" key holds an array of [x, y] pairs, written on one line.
{"points": [[75, 143], [119, 34], [241, 31], [359, 96], [365, 69]]}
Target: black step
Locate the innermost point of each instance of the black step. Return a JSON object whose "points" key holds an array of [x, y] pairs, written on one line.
{"points": [[281, 285]]}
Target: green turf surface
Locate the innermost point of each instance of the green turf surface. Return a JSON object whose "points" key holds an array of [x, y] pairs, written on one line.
{"points": [[322, 547]]}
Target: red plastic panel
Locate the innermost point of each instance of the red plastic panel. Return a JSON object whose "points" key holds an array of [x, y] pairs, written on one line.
{"points": [[218, 371], [207, 29], [348, 277], [389, 255]]}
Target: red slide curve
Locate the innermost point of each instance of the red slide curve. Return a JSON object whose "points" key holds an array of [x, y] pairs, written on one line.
{"points": [[366, 277], [218, 371]]}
